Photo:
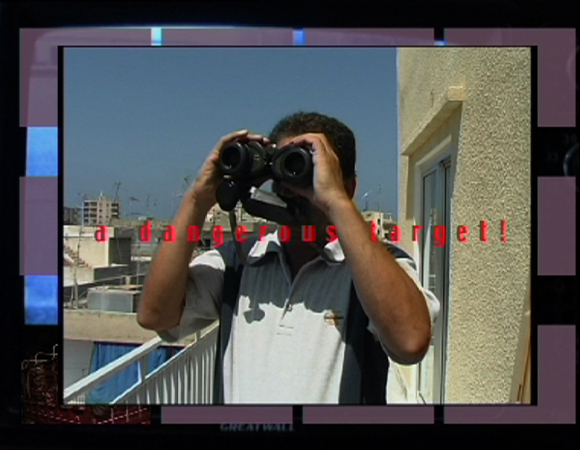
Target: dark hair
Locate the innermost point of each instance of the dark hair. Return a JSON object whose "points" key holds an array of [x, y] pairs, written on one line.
{"points": [[338, 135]]}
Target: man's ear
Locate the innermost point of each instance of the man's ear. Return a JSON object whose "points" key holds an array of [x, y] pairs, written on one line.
{"points": [[350, 186]]}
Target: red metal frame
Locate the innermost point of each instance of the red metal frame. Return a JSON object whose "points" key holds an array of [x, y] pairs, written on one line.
{"points": [[41, 402]]}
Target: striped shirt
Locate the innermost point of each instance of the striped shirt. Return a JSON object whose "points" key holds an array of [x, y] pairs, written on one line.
{"points": [[286, 344]]}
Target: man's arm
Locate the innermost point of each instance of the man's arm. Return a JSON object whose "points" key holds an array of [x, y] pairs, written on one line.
{"points": [[389, 296], [395, 305], [163, 296]]}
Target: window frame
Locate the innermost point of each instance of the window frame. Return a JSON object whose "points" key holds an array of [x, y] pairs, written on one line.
{"points": [[439, 160]]}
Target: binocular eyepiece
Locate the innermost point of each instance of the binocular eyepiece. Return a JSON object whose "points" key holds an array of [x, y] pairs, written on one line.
{"points": [[244, 162]]}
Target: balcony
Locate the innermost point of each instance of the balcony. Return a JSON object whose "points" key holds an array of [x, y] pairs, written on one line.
{"points": [[186, 378]]}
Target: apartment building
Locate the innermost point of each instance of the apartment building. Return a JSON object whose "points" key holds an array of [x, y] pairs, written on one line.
{"points": [[100, 211]]}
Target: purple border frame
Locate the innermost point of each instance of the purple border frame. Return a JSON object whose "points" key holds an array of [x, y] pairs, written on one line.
{"points": [[39, 65], [226, 415], [555, 95], [39, 225], [557, 83], [238, 37], [556, 226], [369, 36]]}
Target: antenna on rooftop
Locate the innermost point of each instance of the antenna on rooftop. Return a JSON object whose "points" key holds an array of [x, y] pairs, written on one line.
{"points": [[131, 201], [364, 197], [115, 199]]}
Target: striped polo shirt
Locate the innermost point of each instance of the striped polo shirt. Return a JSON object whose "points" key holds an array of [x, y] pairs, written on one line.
{"points": [[286, 344]]}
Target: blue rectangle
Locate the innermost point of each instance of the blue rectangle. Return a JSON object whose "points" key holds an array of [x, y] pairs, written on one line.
{"points": [[299, 37], [42, 152], [41, 299], [156, 36]]}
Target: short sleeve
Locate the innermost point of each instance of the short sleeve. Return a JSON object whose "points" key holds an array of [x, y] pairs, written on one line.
{"points": [[203, 297], [408, 265]]}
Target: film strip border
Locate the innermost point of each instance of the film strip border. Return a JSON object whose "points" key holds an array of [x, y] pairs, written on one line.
{"points": [[556, 98]]}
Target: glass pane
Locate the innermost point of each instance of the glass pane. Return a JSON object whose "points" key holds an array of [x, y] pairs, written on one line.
{"points": [[428, 275], [440, 288], [434, 273], [443, 299], [429, 188]]}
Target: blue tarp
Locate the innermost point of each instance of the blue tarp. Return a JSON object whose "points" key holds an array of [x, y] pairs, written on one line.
{"points": [[104, 353]]}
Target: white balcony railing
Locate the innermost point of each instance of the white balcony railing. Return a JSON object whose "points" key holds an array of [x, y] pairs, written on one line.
{"points": [[186, 378]]}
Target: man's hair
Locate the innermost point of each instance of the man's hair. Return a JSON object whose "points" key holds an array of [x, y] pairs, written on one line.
{"points": [[339, 136]]}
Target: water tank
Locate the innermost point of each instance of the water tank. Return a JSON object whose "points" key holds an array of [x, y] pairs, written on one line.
{"points": [[114, 298]]}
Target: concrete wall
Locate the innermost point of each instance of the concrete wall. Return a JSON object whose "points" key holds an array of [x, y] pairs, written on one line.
{"points": [[481, 97], [120, 251], [84, 275], [76, 360], [85, 325], [87, 275], [104, 273], [99, 254], [139, 266], [82, 289], [94, 253]]}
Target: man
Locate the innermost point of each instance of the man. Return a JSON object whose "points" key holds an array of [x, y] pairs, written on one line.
{"points": [[287, 337]]}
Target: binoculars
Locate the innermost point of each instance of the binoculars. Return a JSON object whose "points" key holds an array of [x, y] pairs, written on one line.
{"points": [[243, 163]]}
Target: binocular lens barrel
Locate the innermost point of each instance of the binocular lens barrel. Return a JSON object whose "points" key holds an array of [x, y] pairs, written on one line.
{"points": [[245, 162], [232, 158], [294, 164]]}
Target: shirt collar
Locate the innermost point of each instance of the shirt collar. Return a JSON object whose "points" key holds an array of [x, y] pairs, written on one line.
{"points": [[271, 243]]}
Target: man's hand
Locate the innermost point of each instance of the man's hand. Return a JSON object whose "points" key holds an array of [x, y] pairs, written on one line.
{"points": [[204, 190], [327, 184]]}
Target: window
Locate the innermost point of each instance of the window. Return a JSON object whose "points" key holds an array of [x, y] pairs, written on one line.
{"points": [[434, 262]]}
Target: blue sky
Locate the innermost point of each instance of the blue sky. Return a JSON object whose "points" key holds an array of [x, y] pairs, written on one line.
{"points": [[148, 117]]}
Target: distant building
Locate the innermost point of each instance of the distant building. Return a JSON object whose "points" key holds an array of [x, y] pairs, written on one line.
{"points": [[139, 222], [89, 260], [218, 216], [384, 222], [100, 211], [72, 216]]}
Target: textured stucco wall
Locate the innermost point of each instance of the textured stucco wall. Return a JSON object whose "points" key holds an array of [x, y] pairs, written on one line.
{"points": [[76, 361], [488, 281]]}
